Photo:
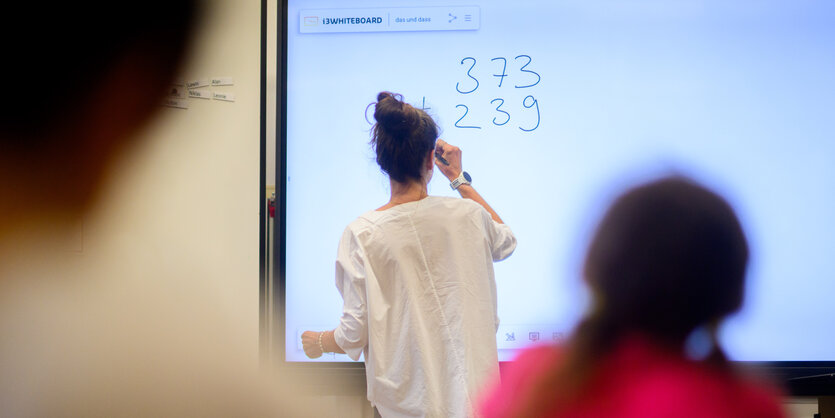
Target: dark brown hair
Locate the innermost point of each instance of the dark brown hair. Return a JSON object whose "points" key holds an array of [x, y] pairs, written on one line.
{"points": [[402, 137], [84, 77], [668, 257]]}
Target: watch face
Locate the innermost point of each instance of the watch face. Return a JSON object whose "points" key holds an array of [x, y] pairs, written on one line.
{"points": [[467, 176]]}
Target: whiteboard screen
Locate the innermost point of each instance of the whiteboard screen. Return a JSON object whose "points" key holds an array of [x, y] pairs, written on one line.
{"points": [[559, 105]]}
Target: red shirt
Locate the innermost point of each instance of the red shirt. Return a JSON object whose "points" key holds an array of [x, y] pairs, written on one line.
{"points": [[638, 379]]}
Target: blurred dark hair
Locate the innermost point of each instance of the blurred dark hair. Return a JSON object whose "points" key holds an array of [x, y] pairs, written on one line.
{"points": [[402, 137], [56, 53], [670, 246], [668, 257]]}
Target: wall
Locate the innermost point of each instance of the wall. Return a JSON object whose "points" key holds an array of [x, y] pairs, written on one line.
{"points": [[181, 211], [272, 75]]}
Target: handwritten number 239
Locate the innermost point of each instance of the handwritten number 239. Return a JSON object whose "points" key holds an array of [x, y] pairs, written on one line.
{"points": [[502, 116]]}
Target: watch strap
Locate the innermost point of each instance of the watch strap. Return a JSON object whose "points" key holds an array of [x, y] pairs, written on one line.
{"points": [[458, 181]]}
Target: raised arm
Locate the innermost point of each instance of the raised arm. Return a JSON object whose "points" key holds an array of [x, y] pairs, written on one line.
{"points": [[452, 155]]}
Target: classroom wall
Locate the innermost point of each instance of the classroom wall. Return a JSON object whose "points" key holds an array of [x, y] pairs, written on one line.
{"points": [[272, 97], [181, 210]]}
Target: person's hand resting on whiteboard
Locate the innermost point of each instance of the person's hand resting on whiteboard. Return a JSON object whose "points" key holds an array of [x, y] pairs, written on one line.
{"points": [[317, 343], [448, 160], [310, 344]]}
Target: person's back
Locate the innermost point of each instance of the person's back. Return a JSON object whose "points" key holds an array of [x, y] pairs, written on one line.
{"points": [[431, 300], [665, 266], [638, 379], [416, 277]]}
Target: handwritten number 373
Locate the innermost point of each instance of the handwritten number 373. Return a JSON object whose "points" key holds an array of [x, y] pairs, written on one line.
{"points": [[534, 77]]}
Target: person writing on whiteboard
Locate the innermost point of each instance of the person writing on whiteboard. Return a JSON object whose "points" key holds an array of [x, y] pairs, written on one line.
{"points": [[416, 277]]}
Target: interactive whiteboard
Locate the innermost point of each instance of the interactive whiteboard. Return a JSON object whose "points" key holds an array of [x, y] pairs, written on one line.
{"points": [[558, 106]]}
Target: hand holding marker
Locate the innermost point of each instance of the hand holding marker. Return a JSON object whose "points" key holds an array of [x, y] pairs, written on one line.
{"points": [[440, 158], [448, 159]]}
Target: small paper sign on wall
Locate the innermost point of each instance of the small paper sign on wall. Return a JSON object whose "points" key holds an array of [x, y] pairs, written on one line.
{"points": [[177, 103], [223, 81], [226, 97], [177, 91], [200, 94], [197, 83]]}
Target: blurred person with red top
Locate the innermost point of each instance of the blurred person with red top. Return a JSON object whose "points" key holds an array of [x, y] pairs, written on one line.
{"points": [[665, 267]]}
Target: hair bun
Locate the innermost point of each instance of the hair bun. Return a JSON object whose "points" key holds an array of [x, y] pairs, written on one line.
{"points": [[393, 115], [402, 137]]}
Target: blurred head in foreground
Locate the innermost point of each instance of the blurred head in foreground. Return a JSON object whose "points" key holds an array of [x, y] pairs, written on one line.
{"points": [[82, 78], [668, 258]]}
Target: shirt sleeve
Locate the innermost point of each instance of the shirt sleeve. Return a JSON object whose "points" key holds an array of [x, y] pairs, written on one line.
{"points": [[352, 333], [499, 236]]}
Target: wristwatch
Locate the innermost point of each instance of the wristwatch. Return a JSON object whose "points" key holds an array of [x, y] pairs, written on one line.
{"points": [[463, 178]]}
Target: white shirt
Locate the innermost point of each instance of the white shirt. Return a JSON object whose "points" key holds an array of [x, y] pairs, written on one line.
{"points": [[420, 302]]}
